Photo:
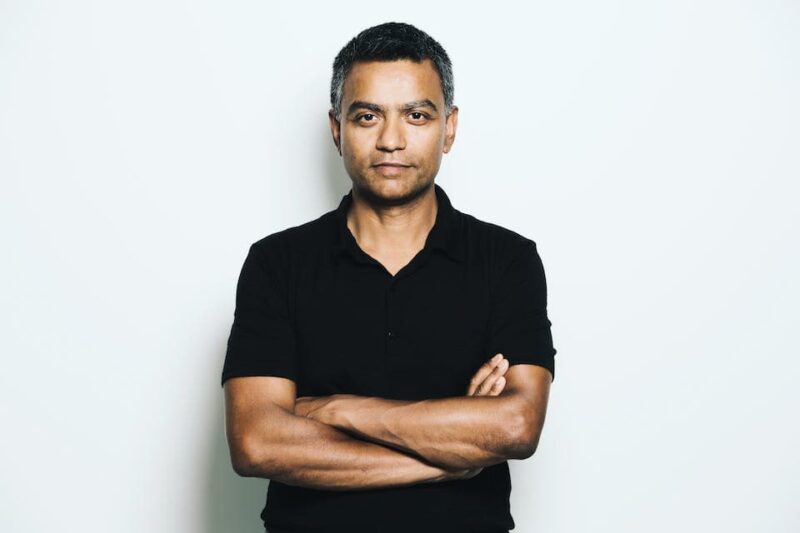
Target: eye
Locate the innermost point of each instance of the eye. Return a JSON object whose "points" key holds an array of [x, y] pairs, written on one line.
{"points": [[365, 115], [420, 117]]}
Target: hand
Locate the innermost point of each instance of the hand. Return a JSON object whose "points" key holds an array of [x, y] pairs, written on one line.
{"points": [[489, 380], [314, 407], [461, 473], [470, 473]]}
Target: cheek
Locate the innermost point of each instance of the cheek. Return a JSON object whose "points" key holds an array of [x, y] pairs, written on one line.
{"points": [[353, 145], [432, 139], [351, 162], [433, 144]]}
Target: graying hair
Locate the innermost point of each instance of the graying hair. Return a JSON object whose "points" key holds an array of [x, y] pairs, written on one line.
{"points": [[391, 41]]}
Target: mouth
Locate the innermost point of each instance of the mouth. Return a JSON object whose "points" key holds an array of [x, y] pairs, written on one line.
{"points": [[390, 169]]}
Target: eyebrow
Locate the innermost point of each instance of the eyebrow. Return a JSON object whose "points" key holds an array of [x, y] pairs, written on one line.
{"points": [[360, 104]]}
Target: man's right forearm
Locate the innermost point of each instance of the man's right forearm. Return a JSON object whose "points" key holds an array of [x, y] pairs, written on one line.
{"points": [[303, 452]]}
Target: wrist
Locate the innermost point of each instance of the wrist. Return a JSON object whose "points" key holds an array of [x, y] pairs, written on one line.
{"points": [[336, 409]]}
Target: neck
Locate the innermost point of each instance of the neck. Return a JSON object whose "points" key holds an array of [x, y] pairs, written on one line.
{"points": [[389, 229]]}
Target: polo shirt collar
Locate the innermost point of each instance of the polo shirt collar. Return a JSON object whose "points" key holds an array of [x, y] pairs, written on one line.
{"points": [[444, 234]]}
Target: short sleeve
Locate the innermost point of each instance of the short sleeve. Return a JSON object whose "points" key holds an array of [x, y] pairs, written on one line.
{"points": [[262, 340], [519, 325]]}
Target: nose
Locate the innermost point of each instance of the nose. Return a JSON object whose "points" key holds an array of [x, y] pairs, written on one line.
{"points": [[391, 136]]}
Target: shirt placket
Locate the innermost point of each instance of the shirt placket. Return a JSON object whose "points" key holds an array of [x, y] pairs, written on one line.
{"points": [[392, 333], [394, 303]]}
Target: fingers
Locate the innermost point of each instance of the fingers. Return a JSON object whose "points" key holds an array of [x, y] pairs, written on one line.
{"points": [[473, 472], [485, 379], [492, 382], [482, 373], [497, 388]]}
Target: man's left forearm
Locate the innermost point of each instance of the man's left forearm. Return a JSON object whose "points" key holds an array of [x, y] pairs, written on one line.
{"points": [[457, 432]]}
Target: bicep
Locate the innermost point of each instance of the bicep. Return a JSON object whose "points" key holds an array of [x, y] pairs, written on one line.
{"points": [[529, 385], [253, 404], [252, 394], [259, 374]]}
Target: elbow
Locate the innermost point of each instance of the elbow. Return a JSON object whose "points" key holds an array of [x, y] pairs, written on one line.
{"points": [[241, 461], [245, 461], [524, 447], [523, 436], [241, 468]]}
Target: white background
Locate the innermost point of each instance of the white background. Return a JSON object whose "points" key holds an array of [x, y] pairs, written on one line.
{"points": [[649, 148]]}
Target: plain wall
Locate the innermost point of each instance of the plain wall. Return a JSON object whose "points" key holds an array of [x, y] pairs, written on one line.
{"points": [[649, 148]]}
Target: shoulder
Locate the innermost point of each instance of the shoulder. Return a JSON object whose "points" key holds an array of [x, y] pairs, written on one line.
{"points": [[283, 245], [499, 244], [509, 258]]}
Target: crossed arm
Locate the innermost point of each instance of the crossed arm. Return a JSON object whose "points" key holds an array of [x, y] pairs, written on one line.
{"points": [[469, 431], [277, 436]]}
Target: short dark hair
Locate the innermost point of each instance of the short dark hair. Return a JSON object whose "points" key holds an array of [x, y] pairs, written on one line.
{"points": [[391, 41]]}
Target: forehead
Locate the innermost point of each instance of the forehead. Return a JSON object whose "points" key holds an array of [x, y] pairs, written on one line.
{"points": [[401, 80]]}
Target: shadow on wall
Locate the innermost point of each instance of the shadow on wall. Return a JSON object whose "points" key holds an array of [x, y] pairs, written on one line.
{"points": [[233, 504]]}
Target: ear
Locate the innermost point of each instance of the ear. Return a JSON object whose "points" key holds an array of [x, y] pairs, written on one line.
{"points": [[450, 129], [336, 130]]}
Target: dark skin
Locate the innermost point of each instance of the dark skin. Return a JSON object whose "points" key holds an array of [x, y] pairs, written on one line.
{"points": [[268, 440], [489, 380], [391, 112]]}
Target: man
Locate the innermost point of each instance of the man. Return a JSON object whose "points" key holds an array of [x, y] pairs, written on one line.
{"points": [[359, 375]]}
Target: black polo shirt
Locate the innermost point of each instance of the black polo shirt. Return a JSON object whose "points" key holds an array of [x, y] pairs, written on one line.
{"points": [[313, 307]]}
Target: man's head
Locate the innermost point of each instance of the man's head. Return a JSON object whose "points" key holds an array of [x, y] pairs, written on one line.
{"points": [[392, 101]]}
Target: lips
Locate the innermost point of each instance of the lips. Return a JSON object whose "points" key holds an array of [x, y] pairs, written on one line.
{"points": [[391, 169]]}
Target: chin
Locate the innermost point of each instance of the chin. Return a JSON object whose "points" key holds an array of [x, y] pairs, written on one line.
{"points": [[392, 191]]}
